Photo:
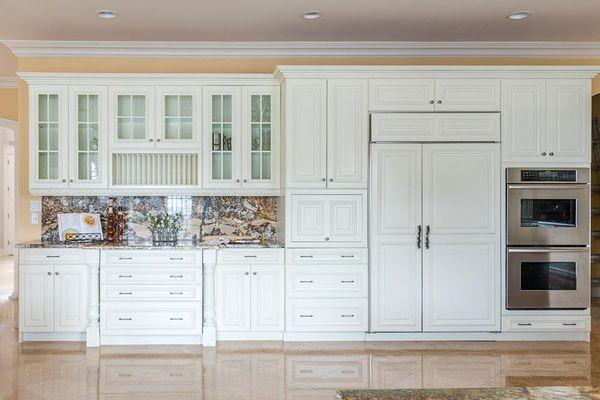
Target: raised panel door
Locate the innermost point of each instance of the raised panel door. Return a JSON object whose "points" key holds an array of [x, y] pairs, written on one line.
{"points": [[232, 297], [267, 297], [70, 298], [524, 121], [467, 94], [346, 221], [131, 116], [404, 94], [394, 237], [569, 119], [347, 133], [306, 133], [308, 218], [36, 303]]}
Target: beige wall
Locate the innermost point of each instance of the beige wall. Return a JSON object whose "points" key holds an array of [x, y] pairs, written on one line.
{"points": [[9, 104], [26, 231]]}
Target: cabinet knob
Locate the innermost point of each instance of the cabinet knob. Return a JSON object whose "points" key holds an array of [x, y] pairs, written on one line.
{"points": [[151, 140], [326, 239], [49, 273], [64, 181], [330, 179], [323, 180], [158, 140], [245, 180], [551, 154], [56, 273], [431, 102], [246, 273], [254, 273], [439, 102], [544, 154], [71, 180], [237, 180]]}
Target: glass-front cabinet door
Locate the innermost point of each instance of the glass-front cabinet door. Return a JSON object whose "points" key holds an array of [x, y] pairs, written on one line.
{"points": [[260, 137], [178, 123], [88, 137], [222, 136], [48, 137], [131, 116]]}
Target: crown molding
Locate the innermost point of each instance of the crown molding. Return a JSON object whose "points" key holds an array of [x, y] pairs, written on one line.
{"points": [[8, 82], [52, 48]]}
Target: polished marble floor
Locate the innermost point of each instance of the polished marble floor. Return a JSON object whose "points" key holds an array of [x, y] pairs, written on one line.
{"points": [[272, 370]]}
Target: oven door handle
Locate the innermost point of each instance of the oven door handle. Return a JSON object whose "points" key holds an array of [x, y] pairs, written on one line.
{"points": [[547, 249], [549, 186]]}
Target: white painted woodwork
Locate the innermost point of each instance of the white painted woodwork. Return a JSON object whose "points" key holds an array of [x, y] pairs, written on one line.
{"points": [[538, 323], [147, 141], [569, 122], [163, 257], [401, 94], [111, 274], [36, 298], [327, 281], [327, 315], [396, 372], [101, 181], [306, 133], [250, 255], [466, 94], [308, 218], [461, 268], [232, 296], [61, 178], [267, 298], [327, 256], [395, 258], [70, 298], [51, 256], [435, 127], [149, 292], [162, 141], [347, 133]]}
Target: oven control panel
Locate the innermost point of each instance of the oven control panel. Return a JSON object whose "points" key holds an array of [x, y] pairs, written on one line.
{"points": [[548, 175]]}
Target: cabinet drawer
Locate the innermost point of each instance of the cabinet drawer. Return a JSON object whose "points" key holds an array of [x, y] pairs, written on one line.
{"points": [[151, 293], [145, 257], [326, 256], [121, 318], [155, 275], [150, 375], [57, 256], [327, 281], [250, 256], [334, 315], [546, 323], [323, 372]]}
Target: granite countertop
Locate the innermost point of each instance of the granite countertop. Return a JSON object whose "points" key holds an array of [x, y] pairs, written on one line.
{"points": [[513, 393], [149, 245]]}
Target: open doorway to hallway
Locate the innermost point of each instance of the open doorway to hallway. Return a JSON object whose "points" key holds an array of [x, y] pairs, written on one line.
{"points": [[8, 205]]}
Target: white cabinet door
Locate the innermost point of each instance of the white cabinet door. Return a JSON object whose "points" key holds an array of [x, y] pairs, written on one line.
{"points": [[48, 137], [524, 120], [569, 119], [308, 218], [36, 303], [222, 137], [346, 219], [347, 133], [178, 117], [131, 116], [267, 298], [260, 137], [88, 137], [467, 94], [233, 297], [306, 133], [406, 94], [70, 298], [395, 225], [461, 203]]}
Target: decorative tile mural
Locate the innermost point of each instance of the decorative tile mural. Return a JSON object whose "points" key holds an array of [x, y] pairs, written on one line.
{"points": [[241, 217]]}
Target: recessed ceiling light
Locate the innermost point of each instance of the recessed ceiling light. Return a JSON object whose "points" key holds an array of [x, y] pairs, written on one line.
{"points": [[311, 15], [517, 15], [107, 14]]}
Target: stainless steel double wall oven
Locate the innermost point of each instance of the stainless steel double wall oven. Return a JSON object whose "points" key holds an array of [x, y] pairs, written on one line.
{"points": [[548, 238]]}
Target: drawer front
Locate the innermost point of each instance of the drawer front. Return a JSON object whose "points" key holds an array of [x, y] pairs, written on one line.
{"points": [[57, 256], [545, 323], [146, 318], [150, 375], [324, 372], [145, 257], [154, 275], [326, 256], [327, 281], [250, 256], [151, 293], [327, 315]]}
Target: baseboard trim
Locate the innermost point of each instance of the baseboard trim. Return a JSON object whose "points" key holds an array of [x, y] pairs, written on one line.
{"points": [[148, 340], [53, 337], [249, 336]]}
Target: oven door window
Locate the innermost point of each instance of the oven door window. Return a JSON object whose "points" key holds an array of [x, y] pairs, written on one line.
{"points": [[548, 213], [548, 276]]}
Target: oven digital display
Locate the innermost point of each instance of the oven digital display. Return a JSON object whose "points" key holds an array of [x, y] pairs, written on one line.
{"points": [[548, 176]]}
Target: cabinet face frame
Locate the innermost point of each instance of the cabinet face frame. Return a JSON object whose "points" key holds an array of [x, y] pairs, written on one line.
{"points": [[103, 151], [61, 181], [148, 142], [184, 144]]}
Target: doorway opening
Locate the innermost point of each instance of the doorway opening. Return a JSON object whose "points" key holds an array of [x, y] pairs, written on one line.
{"points": [[8, 206]]}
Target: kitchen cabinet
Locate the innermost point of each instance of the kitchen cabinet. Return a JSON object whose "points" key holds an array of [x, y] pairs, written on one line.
{"points": [[179, 117], [333, 220], [132, 117], [435, 213], [326, 133], [546, 121], [429, 94]]}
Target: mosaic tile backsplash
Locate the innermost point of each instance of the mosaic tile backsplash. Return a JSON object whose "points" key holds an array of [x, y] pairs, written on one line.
{"points": [[241, 217]]}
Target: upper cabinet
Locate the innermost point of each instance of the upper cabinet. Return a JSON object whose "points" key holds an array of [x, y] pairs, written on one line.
{"points": [[429, 95], [327, 140], [546, 121], [131, 111], [179, 116]]}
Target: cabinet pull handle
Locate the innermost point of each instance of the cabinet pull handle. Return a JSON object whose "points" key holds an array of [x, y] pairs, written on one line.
{"points": [[176, 319], [323, 179], [124, 276], [326, 239], [551, 154], [158, 140], [125, 319], [254, 273], [524, 323], [250, 256], [307, 281], [246, 273], [569, 324], [176, 258], [347, 256], [175, 292], [419, 236], [56, 273], [347, 315], [70, 180], [124, 293], [52, 256], [347, 281], [439, 102], [306, 316], [64, 181], [151, 140], [306, 256], [125, 258], [544, 154], [49, 273], [175, 276], [427, 232], [431, 101], [330, 179]]}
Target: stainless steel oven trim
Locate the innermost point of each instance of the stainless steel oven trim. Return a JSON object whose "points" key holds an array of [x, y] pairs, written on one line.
{"points": [[582, 175]]}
